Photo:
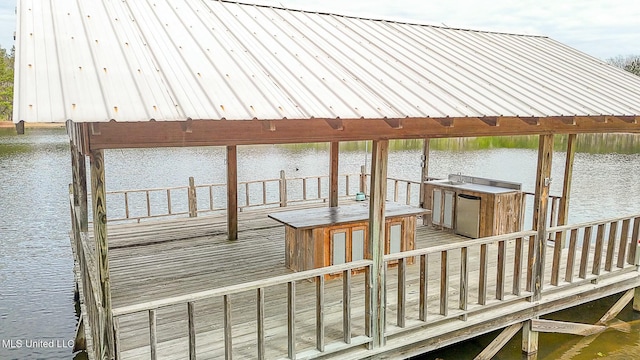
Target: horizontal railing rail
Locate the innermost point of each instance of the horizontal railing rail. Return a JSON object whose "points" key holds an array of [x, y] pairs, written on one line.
{"points": [[191, 200], [595, 248], [90, 293], [322, 347], [477, 288], [553, 214]]}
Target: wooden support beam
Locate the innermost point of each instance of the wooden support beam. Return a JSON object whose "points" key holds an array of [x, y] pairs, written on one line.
{"points": [[99, 202], [541, 202], [20, 127], [628, 119], [335, 124], [117, 135], [95, 129], [568, 120], [634, 244], [424, 164], [446, 122], [394, 123], [563, 213], [268, 125], [533, 121], [529, 338], [79, 177], [490, 120], [616, 308], [232, 192], [380, 152], [333, 173], [192, 196], [187, 126], [636, 299], [561, 327], [499, 342]]}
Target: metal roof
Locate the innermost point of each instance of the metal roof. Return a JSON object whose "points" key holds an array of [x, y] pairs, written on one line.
{"points": [[125, 60]]}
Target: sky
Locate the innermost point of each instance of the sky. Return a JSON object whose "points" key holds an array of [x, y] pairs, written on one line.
{"points": [[601, 28]]}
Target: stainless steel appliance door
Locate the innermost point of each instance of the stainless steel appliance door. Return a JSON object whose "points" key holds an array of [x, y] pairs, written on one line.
{"points": [[468, 215]]}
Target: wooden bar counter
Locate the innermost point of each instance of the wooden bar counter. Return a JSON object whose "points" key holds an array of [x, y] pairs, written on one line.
{"points": [[321, 237]]}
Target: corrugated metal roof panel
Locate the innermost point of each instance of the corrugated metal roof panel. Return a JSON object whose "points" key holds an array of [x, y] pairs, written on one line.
{"points": [[100, 60]]}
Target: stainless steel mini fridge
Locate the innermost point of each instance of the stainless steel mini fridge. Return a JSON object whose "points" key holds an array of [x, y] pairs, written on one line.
{"points": [[468, 215]]}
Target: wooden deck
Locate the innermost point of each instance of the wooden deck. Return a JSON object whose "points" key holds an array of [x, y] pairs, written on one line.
{"points": [[469, 290], [153, 261]]}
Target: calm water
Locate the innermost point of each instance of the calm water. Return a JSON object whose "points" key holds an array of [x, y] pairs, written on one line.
{"points": [[36, 275]]}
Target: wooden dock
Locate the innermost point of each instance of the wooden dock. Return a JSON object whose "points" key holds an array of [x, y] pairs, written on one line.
{"points": [[180, 287]]}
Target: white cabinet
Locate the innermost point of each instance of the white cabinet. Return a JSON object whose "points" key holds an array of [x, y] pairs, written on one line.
{"points": [[443, 204]]}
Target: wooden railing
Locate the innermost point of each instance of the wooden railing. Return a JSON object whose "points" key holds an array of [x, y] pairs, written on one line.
{"points": [[400, 190], [487, 273], [552, 213], [191, 200], [481, 283], [194, 199], [322, 346], [613, 252], [92, 310], [614, 243]]}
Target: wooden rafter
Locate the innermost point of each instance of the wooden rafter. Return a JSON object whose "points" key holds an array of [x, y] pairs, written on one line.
{"points": [[394, 123], [534, 121], [446, 122], [335, 124], [490, 120]]}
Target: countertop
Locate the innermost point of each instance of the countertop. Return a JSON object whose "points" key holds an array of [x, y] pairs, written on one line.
{"points": [[474, 187]]}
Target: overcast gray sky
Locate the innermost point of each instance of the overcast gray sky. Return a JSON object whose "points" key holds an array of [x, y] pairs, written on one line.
{"points": [[601, 28]]}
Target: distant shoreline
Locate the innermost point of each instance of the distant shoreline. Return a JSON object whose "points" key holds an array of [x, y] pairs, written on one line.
{"points": [[10, 124]]}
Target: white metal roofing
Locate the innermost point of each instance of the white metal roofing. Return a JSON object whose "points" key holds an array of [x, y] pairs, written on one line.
{"points": [[133, 60]]}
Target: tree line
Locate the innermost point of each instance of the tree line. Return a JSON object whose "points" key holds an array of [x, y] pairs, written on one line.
{"points": [[6, 82], [629, 63]]}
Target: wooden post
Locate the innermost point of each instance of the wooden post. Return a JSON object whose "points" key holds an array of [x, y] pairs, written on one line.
{"points": [[529, 339], [333, 174], [98, 199], [563, 214], [541, 202], [193, 198], [79, 175], [426, 149], [634, 244], [232, 192], [425, 171], [283, 189], [363, 179], [636, 299], [380, 152], [20, 127]]}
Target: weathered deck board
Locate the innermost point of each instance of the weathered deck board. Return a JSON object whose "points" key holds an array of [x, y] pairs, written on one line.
{"points": [[152, 261]]}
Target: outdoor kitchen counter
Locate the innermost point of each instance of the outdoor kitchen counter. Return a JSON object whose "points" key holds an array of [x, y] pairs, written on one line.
{"points": [[498, 211], [487, 189], [334, 235]]}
